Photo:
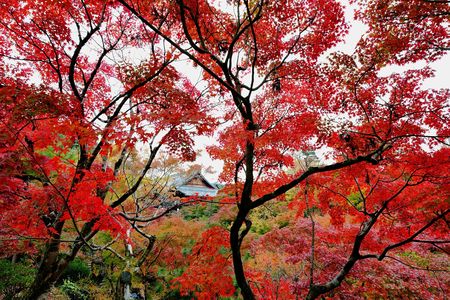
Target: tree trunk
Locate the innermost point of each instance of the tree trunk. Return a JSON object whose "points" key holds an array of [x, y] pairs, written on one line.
{"points": [[235, 242], [313, 293], [52, 265], [50, 270], [316, 290]]}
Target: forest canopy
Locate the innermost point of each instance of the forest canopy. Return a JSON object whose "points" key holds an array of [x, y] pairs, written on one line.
{"points": [[335, 177]]}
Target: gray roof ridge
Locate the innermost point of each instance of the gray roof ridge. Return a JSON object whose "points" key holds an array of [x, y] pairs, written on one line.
{"points": [[193, 175]]}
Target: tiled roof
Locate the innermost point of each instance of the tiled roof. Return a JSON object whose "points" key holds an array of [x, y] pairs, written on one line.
{"points": [[183, 186]]}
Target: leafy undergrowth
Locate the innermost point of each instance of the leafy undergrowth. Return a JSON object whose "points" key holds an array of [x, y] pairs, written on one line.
{"points": [[191, 259], [15, 277], [194, 259]]}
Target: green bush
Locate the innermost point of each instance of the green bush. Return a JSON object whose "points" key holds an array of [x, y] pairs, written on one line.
{"points": [[76, 270], [201, 212], [14, 277], [74, 292], [260, 227], [283, 223]]}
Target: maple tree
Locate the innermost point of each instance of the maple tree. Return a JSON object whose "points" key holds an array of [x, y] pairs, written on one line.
{"points": [[209, 273], [69, 93], [264, 59], [405, 31], [73, 106]]}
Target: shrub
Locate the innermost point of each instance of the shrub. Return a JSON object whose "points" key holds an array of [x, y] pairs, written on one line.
{"points": [[14, 278], [76, 270], [201, 212], [74, 292]]}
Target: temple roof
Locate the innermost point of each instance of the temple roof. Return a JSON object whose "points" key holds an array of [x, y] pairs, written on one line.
{"points": [[195, 184]]}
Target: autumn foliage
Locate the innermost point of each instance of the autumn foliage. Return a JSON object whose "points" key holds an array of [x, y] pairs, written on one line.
{"points": [[86, 85]]}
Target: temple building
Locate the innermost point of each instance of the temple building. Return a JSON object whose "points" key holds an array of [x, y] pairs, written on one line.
{"points": [[195, 185]]}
